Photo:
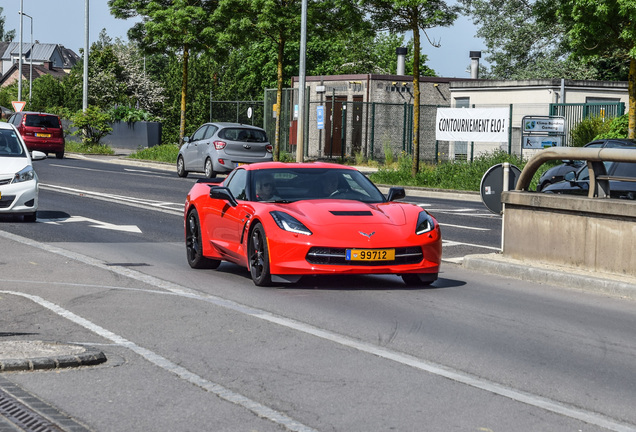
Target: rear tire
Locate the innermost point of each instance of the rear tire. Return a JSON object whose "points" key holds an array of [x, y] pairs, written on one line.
{"points": [[209, 170], [59, 155], [194, 248], [181, 171], [258, 256]]}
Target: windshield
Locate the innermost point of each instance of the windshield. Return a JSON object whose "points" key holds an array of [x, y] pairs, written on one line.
{"points": [[288, 185], [10, 144]]}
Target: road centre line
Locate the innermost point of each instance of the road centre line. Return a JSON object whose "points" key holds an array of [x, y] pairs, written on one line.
{"points": [[455, 243], [464, 227], [405, 359], [162, 206]]}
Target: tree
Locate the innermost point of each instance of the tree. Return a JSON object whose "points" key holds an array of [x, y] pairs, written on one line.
{"points": [[5, 36], [278, 22], [412, 15], [92, 125], [603, 29], [170, 26]]}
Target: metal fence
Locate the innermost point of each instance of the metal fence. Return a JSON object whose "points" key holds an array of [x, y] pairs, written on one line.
{"points": [[378, 131], [246, 112]]}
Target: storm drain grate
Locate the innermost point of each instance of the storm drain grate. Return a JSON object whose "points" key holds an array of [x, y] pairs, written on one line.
{"points": [[23, 417]]}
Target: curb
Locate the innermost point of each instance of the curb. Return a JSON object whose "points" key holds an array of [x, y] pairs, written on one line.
{"points": [[39, 355], [612, 285]]}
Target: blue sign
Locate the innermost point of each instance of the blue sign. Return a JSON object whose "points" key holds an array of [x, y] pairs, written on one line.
{"points": [[320, 116]]}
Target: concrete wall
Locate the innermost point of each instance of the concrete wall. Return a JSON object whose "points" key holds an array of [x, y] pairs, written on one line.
{"points": [[592, 234], [132, 136]]}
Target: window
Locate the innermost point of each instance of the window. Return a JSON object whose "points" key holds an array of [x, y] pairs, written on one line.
{"points": [[200, 133], [625, 169], [237, 184]]}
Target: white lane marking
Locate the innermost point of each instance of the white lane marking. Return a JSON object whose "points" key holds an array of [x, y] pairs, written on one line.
{"points": [[430, 367], [217, 389], [455, 243], [162, 206], [96, 223], [464, 227]]}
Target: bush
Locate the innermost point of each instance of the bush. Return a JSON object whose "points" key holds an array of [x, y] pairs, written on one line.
{"points": [[92, 125], [129, 114], [587, 130], [617, 128], [458, 174]]}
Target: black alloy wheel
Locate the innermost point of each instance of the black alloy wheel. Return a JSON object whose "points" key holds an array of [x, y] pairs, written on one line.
{"points": [[194, 250], [258, 256]]}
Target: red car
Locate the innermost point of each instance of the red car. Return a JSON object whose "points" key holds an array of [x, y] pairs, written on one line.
{"points": [[40, 131], [285, 220]]}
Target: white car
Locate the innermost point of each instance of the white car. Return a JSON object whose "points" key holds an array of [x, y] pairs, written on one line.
{"points": [[18, 181]]}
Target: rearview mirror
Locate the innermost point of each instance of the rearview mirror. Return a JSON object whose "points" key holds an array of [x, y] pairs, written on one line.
{"points": [[571, 176], [37, 155]]}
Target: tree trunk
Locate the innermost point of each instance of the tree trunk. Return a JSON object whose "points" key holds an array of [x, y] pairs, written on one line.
{"points": [[184, 93], [279, 97], [416, 101], [631, 86]]}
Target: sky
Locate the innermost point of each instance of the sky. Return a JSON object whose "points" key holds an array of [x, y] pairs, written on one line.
{"points": [[62, 22]]}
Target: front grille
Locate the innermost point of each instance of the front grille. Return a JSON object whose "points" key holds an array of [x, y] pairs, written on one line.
{"points": [[6, 201], [336, 256]]}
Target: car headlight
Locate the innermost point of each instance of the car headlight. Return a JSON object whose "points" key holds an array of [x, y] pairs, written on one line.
{"points": [[289, 223], [425, 223], [26, 174]]}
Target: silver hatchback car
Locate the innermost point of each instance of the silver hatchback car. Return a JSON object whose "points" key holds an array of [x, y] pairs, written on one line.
{"points": [[220, 147]]}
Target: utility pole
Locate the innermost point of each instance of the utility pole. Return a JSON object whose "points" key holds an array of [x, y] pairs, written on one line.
{"points": [[300, 148], [20, 55], [85, 86]]}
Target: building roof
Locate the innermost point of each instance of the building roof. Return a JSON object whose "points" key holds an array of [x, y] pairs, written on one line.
{"points": [[40, 52], [38, 71]]}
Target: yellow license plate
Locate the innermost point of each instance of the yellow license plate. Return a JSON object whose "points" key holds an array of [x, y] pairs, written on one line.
{"points": [[370, 254], [42, 135]]}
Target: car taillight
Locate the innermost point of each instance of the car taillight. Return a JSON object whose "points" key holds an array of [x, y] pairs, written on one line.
{"points": [[269, 148], [219, 145]]}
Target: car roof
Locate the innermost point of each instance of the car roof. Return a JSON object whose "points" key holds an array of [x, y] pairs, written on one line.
{"points": [[627, 142], [4, 125], [38, 113], [230, 124], [292, 165]]}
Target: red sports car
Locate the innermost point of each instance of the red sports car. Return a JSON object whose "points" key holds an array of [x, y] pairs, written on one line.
{"points": [[285, 220]]}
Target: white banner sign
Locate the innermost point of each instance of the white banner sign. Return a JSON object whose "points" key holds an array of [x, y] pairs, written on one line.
{"points": [[472, 124]]}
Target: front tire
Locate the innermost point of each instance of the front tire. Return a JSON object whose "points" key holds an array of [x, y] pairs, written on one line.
{"points": [[209, 169], [181, 171], [30, 217], [194, 248], [258, 256]]}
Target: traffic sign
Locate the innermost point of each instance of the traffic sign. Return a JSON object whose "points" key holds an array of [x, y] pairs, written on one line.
{"points": [[18, 105]]}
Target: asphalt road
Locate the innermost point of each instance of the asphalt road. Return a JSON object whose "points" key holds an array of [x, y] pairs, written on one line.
{"points": [[207, 350]]}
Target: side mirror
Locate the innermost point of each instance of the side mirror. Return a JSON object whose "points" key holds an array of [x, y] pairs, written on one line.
{"points": [[186, 139], [571, 176], [223, 193], [37, 155], [396, 193]]}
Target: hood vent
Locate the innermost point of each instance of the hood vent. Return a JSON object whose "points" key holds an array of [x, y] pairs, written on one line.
{"points": [[351, 213]]}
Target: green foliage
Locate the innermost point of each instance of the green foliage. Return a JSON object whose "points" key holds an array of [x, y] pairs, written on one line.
{"points": [[92, 125], [161, 153], [47, 92], [129, 114], [75, 147], [617, 128], [587, 130], [459, 175]]}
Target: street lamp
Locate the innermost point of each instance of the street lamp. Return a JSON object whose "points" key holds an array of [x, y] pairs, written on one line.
{"points": [[30, 56], [20, 55]]}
